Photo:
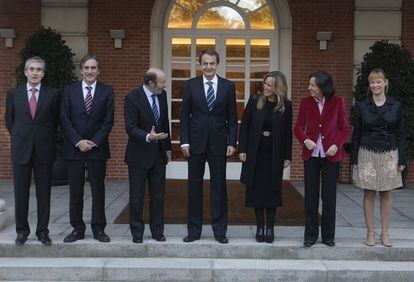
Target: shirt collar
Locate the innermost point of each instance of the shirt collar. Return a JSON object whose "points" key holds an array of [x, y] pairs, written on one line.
{"points": [[29, 87], [320, 102], [84, 85], [214, 80], [147, 91]]}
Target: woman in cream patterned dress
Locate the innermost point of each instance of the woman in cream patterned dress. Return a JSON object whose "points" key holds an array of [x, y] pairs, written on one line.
{"points": [[378, 152]]}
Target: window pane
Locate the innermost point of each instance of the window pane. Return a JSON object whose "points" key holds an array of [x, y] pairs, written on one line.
{"points": [[221, 18], [193, 5], [175, 110], [259, 68], [262, 19], [181, 67], [260, 48], [177, 90], [181, 47], [250, 5], [235, 48], [179, 18], [256, 87], [175, 131], [239, 90]]}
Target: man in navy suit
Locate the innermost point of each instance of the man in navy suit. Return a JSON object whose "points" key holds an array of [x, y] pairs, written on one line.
{"points": [[32, 112], [208, 132], [147, 153], [87, 116]]}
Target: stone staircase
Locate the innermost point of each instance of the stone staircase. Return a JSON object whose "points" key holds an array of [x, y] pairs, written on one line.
{"points": [[205, 260]]}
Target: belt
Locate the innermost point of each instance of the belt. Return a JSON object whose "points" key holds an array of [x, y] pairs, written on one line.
{"points": [[267, 133]]}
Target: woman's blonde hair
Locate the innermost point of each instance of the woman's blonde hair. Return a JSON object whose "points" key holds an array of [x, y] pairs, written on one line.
{"points": [[280, 90], [377, 73]]}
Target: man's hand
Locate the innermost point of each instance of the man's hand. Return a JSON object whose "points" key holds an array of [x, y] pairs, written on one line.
{"points": [[310, 145], [85, 145], [242, 157], [186, 151], [230, 151], [156, 136], [168, 156], [332, 150]]}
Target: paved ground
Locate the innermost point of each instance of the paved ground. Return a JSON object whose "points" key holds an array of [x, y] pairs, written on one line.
{"points": [[350, 221]]}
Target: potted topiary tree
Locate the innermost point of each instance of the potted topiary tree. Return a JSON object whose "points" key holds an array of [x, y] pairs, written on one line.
{"points": [[49, 45], [398, 64]]}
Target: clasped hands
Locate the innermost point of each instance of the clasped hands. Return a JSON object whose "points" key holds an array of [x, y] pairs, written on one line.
{"points": [[86, 145], [310, 145]]}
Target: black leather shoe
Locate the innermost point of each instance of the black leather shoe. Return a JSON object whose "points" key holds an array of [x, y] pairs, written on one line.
{"points": [[137, 239], [74, 236], [191, 238], [45, 240], [329, 243], [20, 239], [221, 239], [260, 234], [270, 235], [308, 244], [159, 238], [101, 237]]}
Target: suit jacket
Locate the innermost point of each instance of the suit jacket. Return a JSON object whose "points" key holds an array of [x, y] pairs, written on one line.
{"points": [[199, 126], [379, 131], [332, 125], [251, 128], [27, 132], [94, 126], [139, 120]]}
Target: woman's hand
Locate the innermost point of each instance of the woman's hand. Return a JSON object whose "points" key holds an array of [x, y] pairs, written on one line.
{"points": [[332, 150], [286, 163], [310, 145], [242, 157], [401, 167]]}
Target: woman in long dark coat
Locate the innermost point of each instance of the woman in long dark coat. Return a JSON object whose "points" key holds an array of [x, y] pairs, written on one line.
{"points": [[265, 148]]}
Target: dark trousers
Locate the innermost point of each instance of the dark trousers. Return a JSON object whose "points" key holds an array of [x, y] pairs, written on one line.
{"points": [[22, 176], [314, 167], [218, 193], [138, 178], [96, 174]]}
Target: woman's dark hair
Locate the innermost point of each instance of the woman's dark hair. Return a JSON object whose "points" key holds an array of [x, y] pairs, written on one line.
{"points": [[325, 83]]}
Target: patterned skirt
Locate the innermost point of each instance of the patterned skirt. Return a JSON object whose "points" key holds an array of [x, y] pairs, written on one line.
{"points": [[378, 171]]}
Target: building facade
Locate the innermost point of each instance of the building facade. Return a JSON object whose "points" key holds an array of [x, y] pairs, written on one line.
{"points": [[297, 37]]}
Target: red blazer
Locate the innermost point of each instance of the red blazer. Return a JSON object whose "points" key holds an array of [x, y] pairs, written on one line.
{"points": [[332, 125]]}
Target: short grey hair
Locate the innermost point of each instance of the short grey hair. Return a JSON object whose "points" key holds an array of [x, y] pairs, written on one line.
{"points": [[35, 59]]}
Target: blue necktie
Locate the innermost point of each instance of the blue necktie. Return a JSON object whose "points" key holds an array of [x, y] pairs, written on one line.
{"points": [[210, 95], [155, 109]]}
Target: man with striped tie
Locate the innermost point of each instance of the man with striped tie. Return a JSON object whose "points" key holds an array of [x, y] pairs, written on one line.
{"points": [[32, 112], [208, 132], [147, 153], [87, 116]]}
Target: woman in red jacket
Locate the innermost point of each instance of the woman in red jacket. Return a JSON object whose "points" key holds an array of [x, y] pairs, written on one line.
{"points": [[322, 128]]}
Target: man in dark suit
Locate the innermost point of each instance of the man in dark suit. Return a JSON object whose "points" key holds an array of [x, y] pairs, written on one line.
{"points": [[31, 119], [148, 151], [87, 116], [208, 132]]}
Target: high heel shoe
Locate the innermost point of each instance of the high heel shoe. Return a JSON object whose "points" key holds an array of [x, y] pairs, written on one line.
{"points": [[370, 241], [385, 240], [260, 234], [270, 235]]}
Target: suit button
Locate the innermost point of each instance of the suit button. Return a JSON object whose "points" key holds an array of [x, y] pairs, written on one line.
{"points": [[323, 137], [320, 125]]}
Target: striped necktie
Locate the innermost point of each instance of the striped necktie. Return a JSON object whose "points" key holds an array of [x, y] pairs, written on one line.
{"points": [[155, 109], [88, 99], [33, 102], [210, 95]]}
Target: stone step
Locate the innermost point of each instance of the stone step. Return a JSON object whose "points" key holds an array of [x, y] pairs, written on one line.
{"points": [[200, 269], [238, 248]]}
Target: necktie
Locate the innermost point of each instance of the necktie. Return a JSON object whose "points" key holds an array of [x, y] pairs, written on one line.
{"points": [[88, 99], [33, 102], [155, 109], [210, 96]]}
